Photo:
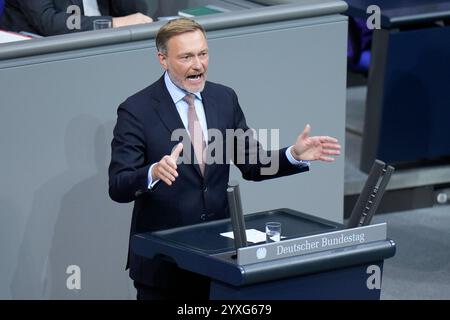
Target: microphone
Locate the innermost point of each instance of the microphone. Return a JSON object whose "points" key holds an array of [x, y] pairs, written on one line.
{"points": [[236, 214], [371, 194]]}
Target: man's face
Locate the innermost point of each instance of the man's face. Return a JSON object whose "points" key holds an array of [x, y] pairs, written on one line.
{"points": [[186, 60]]}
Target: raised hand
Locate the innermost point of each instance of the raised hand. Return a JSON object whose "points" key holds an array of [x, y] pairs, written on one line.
{"points": [[166, 168], [315, 148]]}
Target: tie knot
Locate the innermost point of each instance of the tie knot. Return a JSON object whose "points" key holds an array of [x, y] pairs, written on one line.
{"points": [[189, 98]]}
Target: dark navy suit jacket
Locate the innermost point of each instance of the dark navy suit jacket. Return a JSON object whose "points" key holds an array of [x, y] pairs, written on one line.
{"points": [[142, 136]]}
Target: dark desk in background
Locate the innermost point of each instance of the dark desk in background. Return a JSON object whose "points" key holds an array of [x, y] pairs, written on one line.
{"points": [[408, 97], [331, 274]]}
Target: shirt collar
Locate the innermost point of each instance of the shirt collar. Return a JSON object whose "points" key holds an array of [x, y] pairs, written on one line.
{"points": [[175, 92]]}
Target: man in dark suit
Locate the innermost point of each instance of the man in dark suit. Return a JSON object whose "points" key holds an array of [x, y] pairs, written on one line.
{"points": [[49, 17], [145, 151]]}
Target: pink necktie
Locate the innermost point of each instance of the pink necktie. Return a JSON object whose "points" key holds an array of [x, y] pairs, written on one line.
{"points": [[195, 130]]}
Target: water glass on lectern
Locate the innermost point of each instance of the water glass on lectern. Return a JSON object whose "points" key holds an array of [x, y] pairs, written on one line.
{"points": [[273, 231]]}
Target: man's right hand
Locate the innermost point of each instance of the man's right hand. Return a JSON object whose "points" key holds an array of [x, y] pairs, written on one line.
{"points": [[166, 168], [135, 18]]}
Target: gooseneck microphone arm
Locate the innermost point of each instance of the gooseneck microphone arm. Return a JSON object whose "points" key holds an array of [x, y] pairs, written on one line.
{"points": [[236, 214]]}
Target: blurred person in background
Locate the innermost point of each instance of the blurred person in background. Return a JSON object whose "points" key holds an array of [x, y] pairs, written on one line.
{"points": [[50, 17]]}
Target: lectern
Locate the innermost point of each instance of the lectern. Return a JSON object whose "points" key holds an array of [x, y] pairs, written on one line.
{"points": [[316, 258]]}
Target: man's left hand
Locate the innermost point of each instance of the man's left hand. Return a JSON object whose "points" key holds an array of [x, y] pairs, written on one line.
{"points": [[315, 148]]}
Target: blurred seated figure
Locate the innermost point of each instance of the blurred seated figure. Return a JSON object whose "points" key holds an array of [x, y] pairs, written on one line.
{"points": [[50, 17], [359, 45]]}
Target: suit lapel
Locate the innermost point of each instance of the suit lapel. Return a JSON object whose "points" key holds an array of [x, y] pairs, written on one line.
{"points": [[167, 111], [212, 117]]}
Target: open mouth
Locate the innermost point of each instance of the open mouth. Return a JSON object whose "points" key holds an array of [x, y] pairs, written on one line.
{"points": [[195, 77]]}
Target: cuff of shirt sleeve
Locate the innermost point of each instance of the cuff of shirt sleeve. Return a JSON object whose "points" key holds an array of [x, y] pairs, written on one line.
{"points": [[151, 183], [293, 161]]}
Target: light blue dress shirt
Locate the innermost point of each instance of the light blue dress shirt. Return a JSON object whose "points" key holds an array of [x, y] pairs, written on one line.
{"points": [[177, 95]]}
